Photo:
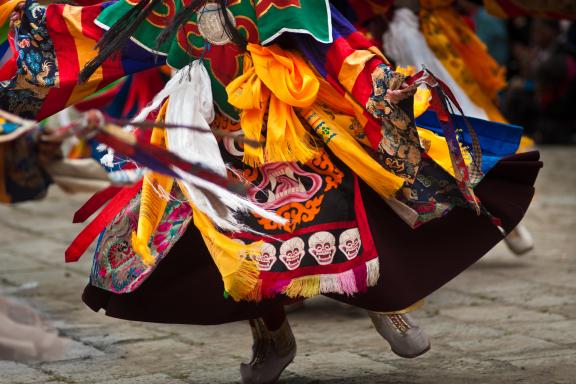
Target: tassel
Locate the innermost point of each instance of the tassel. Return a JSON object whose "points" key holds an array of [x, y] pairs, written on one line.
{"points": [[247, 93], [303, 287], [257, 292], [330, 284], [286, 139], [233, 259], [152, 204], [348, 282], [372, 272]]}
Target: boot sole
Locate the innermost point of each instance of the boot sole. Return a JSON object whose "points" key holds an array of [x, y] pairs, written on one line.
{"points": [[414, 355], [275, 379], [281, 372]]}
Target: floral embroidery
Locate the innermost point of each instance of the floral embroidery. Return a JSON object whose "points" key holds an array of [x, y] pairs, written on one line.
{"points": [[117, 268]]}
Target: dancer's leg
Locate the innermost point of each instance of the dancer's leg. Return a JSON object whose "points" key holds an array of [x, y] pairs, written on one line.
{"points": [[273, 350], [519, 240]]}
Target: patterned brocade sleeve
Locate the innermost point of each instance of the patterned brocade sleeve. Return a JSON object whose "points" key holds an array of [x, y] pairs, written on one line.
{"points": [[53, 43], [361, 73], [36, 69]]}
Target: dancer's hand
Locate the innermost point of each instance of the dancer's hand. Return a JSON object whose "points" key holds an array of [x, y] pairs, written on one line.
{"points": [[16, 15], [405, 91]]}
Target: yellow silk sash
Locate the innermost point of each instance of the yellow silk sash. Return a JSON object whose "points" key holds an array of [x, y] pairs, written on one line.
{"points": [[274, 81]]}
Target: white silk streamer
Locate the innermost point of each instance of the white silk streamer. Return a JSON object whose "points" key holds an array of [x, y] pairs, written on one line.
{"points": [[191, 104]]}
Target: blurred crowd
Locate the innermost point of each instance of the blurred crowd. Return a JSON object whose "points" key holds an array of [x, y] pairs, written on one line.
{"points": [[540, 58]]}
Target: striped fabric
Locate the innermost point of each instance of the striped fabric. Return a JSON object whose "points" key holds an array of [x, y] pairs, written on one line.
{"points": [[74, 41], [348, 64], [6, 41], [64, 37]]}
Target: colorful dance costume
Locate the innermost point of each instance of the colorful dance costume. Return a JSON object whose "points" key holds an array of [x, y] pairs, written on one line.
{"points": [[345, 197]]}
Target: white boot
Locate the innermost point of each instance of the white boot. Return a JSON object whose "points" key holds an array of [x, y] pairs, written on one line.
{"points": [[405, 337], [519, 240]]}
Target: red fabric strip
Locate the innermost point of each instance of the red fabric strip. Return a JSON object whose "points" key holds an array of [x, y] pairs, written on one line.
{"points": [[112, 68], [95, 203], [68, 65], [8, 70], [81, 243], [99, 102], [303, 231], [363, 226]]}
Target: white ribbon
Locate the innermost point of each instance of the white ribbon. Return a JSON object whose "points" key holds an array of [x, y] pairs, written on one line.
{"points": [[191, 104]]}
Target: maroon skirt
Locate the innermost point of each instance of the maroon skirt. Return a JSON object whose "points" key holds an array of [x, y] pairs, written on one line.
{"points": [[186, 287]]}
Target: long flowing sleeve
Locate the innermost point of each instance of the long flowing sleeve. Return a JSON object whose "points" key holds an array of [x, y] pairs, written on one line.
{"points": [[52, 45], [361, 73]]}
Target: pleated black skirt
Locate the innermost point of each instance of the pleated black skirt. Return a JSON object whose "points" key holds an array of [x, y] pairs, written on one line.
{"points": [[186, 287]]}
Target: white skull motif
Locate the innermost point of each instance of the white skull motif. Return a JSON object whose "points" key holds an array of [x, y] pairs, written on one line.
{"points": [[292, 252], [322, 245], [350, 243], [267, 257]]}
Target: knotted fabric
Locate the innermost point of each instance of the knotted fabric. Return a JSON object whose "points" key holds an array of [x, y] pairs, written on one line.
{"points": [[274, 81]]}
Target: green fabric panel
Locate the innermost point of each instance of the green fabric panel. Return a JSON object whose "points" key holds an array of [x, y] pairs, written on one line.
{"points": [[261, 22]]}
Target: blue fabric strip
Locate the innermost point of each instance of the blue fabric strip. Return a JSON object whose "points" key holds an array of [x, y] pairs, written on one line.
{"points": [[497, 140]]}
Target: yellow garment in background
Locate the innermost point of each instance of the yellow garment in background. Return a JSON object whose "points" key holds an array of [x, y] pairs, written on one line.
{"points": [[274, 81], [534, 8], [463, 54]]}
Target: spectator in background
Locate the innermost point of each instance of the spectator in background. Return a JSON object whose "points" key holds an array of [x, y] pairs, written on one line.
{"points": [[555, 83], [490, 29], [542, 94]]}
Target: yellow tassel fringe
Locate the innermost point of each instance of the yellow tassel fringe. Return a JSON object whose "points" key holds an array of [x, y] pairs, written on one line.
{"points": [[233, 259], [307, 286], [152, 204]]}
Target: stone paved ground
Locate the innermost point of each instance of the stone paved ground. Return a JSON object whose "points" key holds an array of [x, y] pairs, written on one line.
{"points": [[505, 320]]}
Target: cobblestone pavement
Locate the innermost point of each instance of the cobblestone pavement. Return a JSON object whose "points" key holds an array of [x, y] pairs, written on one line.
{"points": [[505, 320]]}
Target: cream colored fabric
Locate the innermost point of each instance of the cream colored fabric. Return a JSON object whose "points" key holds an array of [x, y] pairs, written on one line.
{"points": [[78, 175], [24, 337]]}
